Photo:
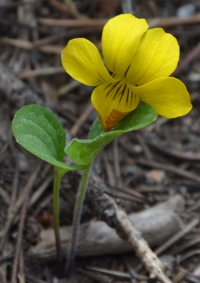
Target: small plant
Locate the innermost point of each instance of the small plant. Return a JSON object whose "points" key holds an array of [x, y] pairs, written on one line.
{"points": [[132, 88]]}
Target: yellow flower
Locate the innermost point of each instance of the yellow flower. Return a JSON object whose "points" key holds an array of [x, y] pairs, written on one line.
{"points": [[138, 63]]}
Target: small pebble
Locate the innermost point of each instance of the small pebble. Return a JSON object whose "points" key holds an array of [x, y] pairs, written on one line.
{"points": [[186, 11]]}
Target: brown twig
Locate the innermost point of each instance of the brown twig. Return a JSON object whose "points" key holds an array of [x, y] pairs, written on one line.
{"points": [[69, 9], [132, 271], [140, 246], [144, 145], [116, 164], [155, 22], [116, 218], [2, 275], [177, 236], [65, 89], [116, 273], [41, 72], [21, 273], [190, 254], [193, 54], [181, 274], [169, 168], [42, 205], [83, 117], [10, 209], [126, 193], [72, 23], [36, 195], [55, 49], [176, 153], [69, 116], [17, 3], [109, 170], [95, 276], [186, 245], [174, 21], [26, 194], [75, 32]]}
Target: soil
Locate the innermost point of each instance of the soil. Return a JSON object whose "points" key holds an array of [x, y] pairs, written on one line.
{"points": [[140, 169]]}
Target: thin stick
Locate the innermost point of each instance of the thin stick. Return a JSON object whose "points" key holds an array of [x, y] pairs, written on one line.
{"points": [[75, 128], [154, 22], [147, 256], [10, 209], [177, 236], [72, 23], [25, 44], [170, 168], [28, 187], [41, 72], [41, 189], [127, 6], [21, 273], [116, 218], [193, 54]]}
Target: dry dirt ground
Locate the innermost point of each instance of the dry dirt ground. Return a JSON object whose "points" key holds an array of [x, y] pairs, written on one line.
{"points": [[158, 165]]}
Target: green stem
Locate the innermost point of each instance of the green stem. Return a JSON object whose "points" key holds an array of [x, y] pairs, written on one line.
{"points": [[56, 191], [77, 217], [127, 6]]}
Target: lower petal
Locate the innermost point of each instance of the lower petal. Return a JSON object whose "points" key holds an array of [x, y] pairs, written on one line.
{"points": [[113, 102], [168, 96]]}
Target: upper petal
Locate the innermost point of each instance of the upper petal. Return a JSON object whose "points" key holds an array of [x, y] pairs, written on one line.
{"points": [[82, 61], [156, 57], [113, 102], [168, 96], [120, 39]]}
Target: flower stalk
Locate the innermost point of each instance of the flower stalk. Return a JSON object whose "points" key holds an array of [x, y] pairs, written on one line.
{"points": [[56, 190], [77, 217]]}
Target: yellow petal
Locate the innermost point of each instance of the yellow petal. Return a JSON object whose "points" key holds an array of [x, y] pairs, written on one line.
{"points": [[113, 102], [168, 96], [120, 39], [156, 57], [82, 61]]}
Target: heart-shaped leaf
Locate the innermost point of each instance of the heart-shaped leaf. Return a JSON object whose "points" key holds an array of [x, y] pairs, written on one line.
{"points": [[41, 133], [85, 151]]}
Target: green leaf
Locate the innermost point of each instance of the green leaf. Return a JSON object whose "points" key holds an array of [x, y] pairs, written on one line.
{"points": [[85, 151], [40, 132]]}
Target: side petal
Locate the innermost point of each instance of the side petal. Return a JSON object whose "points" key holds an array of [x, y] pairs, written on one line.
{"points": [[156, 57], [168, 96], [120, 39], [82, 61], [113, 102]]}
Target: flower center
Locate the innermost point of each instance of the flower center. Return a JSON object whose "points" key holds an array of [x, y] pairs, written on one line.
{"points": [[120, 92]]}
